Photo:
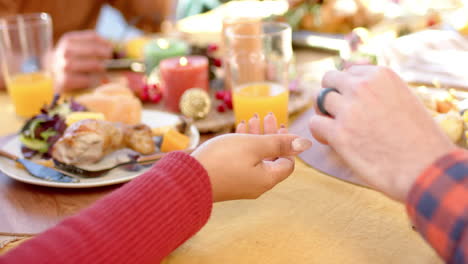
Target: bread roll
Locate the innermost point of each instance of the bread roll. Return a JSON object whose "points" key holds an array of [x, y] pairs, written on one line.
{"points": [[115, 101], [114, 89]]}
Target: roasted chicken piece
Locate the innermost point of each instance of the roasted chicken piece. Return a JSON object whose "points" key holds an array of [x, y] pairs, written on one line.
{"points": [[88, 141], [139, 138]]}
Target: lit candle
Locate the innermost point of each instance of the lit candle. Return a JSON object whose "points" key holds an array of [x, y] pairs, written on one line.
{"points": [[158, 49], [180, 74], [162, 44], [183, 61]]}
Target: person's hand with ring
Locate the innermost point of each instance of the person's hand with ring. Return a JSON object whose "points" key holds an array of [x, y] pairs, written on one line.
{"points": [[379, 127]]}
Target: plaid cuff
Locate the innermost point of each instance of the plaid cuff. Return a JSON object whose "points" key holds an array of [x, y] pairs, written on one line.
{"points": [[438, 203]]}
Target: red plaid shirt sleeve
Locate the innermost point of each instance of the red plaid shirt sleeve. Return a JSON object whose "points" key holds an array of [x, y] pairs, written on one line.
{"points": [[438, 206]]}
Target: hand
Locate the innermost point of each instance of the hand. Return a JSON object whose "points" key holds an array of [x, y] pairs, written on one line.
{"points": [[269, 126], [380, 128], [242, 166], [79, 60]]}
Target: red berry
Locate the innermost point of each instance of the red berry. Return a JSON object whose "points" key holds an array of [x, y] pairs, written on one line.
{"points": [[156, 98], [228, 103], [217, 62], [144, 93], [228, 99], [220, 95], [227, 96], [153, 86], [221, 108], [212, 48], [154, 93], [144, 96]]}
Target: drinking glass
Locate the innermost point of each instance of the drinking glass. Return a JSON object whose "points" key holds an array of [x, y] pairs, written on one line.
{"points": [[25, 42], [258, 56]]}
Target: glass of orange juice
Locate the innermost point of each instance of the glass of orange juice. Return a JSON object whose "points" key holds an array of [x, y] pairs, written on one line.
{"points": [[25, 42], [259, 56]]}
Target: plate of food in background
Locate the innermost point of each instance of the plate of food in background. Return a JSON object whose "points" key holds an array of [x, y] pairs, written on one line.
{"points": [[101, 138], [448, 108], [327, 24], [321, 24]]}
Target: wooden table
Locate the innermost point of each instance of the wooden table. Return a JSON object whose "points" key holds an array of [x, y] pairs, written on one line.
{"points": [[309, 218]]}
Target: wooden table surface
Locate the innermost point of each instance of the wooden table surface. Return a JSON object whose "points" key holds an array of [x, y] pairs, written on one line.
{"points": [[309, 218]]}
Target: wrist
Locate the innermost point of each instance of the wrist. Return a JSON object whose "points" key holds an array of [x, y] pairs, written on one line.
{"points": [[418, 167], [199, 157]]}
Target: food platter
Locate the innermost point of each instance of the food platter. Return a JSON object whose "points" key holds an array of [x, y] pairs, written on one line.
{"points": [[152, 118]]}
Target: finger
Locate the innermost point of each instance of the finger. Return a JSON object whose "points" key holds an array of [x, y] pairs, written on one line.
{"points": [[336, 79], [283, 129], [88, 50], [277, 170], [254, 125], [80, 34], [86, 36], [320, 128], [317, 110], [277, 145], [314, 100], [70, 82], [333, 102], [360, 70], [269, 124], [84, 65], [241, 128]]}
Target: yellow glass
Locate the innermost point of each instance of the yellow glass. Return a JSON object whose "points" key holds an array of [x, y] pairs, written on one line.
{"points": [[261, 98], [25, 46], [30, 91], [257, 61]]}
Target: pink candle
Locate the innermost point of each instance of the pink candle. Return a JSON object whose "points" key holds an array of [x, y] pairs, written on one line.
{"points": [[180, 74]]}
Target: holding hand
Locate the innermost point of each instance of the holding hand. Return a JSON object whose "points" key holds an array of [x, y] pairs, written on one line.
{"points": [[243, 166], [269, 126], [379, 127], [79, 60]]}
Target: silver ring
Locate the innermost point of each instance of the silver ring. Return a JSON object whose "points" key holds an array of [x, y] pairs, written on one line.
{"points": [[321, 99]]}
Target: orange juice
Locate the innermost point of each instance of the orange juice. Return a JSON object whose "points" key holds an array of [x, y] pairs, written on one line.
{"points": [[261, 98], [30, 91]]}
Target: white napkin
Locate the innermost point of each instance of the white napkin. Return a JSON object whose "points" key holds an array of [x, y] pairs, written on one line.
{"points": [[429, 56]]}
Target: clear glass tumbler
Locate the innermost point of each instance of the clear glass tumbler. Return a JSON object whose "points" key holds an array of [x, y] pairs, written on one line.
{"points": [[25, 42], [258, 56]]}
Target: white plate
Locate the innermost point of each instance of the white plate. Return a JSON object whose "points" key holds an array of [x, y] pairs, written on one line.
{"points": [[151, 118]]}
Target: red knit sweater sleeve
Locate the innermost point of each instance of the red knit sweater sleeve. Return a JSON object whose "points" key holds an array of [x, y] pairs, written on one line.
{"points": [[142, 222]]}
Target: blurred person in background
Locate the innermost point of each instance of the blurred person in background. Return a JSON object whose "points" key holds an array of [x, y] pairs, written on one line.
{"points": [[80, 54]]}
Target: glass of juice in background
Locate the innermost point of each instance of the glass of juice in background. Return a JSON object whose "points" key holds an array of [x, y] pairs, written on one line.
{"points": [[25, 41], [259, 55]]}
